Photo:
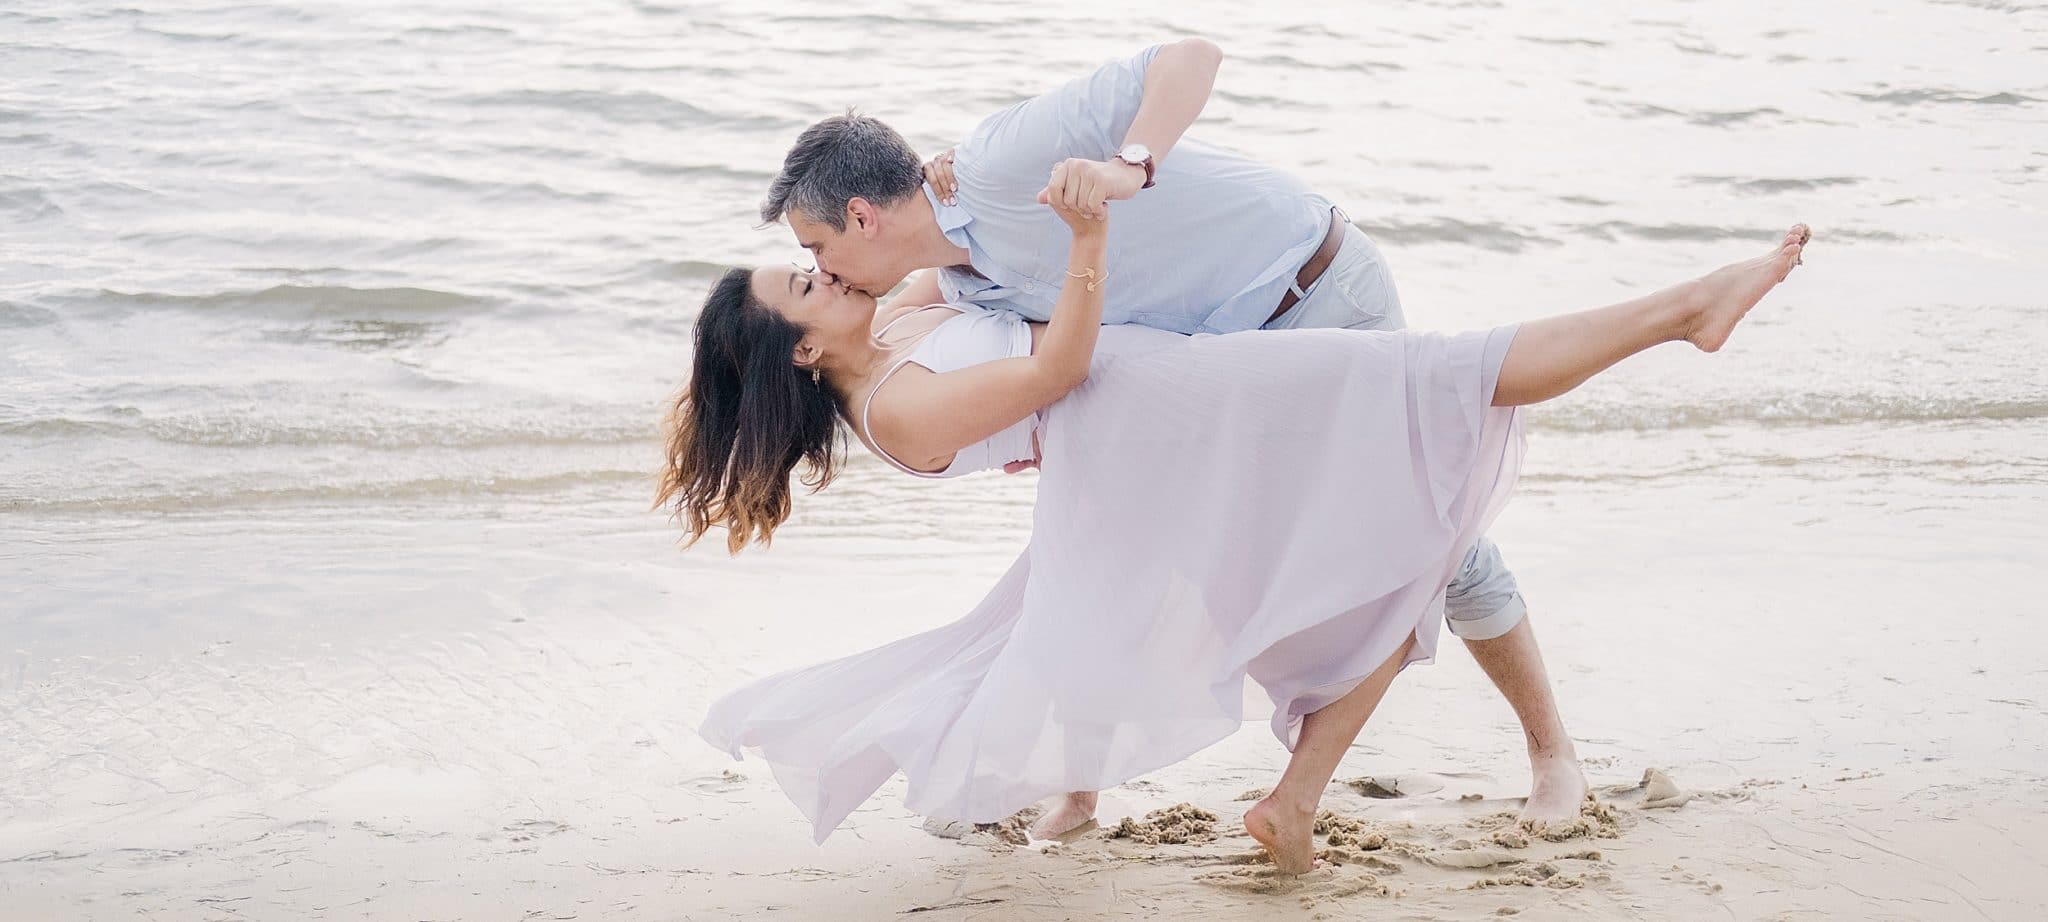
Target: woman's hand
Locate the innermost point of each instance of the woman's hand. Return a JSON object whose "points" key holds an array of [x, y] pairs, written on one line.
{"points": [[1075, 210], [1090, 185], [938, 172]]}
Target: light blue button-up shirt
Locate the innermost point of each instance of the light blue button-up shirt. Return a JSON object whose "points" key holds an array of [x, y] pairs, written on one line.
{"points": [[1210, 249]]}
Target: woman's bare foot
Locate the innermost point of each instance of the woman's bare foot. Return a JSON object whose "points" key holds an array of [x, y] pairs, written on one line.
{"points": [[1555, 792], [1720, 299], [1287, 832], [1071, 813]]}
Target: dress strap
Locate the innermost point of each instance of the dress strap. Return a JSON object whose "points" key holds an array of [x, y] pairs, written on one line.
{"points": [[869, 404]]}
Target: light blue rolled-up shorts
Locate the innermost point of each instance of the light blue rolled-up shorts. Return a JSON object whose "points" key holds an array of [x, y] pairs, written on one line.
{"points": [[1357, 293]]}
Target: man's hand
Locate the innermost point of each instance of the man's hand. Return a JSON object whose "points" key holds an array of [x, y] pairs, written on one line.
{"points": [[1088, 186]]}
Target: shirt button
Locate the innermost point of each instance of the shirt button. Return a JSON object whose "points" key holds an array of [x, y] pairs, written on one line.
{"points": [[1030, 286]]}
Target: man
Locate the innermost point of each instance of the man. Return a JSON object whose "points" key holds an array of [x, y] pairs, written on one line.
{"points": [[1205, 241]]}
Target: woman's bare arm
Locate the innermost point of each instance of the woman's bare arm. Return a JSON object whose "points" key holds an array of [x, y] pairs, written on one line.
{"points": [[923, 418]]}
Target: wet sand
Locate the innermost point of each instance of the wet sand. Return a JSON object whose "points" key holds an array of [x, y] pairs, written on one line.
{"points": [[466, 712]]}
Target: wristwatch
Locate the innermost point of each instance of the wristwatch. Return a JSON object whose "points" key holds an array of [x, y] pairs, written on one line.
{"points": [[1138, 155]]}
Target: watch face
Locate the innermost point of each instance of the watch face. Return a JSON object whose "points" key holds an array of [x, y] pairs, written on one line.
{"points": [[1134, 153]]}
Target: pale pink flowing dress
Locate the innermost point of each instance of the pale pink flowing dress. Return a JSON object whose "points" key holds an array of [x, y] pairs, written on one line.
{"points": [[1276, 507]]}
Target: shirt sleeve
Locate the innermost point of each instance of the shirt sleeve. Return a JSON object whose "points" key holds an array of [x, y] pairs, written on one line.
{"points": [[1086, 118]]}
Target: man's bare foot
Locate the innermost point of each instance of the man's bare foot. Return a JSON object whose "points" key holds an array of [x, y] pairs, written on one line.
{"points": [[1720, 299], [1555, 791], [1288, 833], [1072, 812]]}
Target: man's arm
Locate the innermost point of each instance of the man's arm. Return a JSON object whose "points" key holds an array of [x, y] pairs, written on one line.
{"points": [[1176, 87], [1150, 99]]}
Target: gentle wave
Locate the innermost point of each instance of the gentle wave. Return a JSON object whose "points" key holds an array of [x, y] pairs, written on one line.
{"points": [[1802, 410], [216, 431], [1353, 66], [25, 315], [1912, 97], [1703, 118], [1769, 186], [277, 300], [613, 426], [28, 205], [1496, 237], [868, 494], [1505, 238], [1707, 233], [429, 489], [631, 107]]}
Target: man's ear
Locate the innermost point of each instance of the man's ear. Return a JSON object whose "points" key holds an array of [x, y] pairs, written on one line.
{"points": [[862, 217]]}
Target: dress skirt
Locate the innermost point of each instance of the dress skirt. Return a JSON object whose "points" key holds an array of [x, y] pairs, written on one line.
{"points": [[1282, 508]]}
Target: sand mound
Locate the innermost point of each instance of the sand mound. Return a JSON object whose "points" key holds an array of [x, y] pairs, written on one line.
{"points": [[1180, 824], [1659, 791]]}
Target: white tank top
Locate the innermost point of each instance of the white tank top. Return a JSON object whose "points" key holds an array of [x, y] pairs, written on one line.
{"points": [[978, 335]]}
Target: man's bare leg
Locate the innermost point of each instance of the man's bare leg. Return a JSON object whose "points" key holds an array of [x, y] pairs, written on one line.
{"points": [[1547, 358], [1515, 664]]}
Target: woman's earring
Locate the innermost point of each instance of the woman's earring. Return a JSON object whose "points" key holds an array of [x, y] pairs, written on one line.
{"points": [[814, 376]]}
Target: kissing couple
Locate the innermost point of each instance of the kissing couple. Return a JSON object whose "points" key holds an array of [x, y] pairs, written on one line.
{"points": [[1248, 469]]}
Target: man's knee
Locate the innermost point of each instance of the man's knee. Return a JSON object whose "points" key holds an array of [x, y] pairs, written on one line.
{"points": [[1483, 601]]}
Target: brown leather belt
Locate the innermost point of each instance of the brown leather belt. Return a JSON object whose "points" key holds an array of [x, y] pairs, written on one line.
{"points": [[1319, 261]]}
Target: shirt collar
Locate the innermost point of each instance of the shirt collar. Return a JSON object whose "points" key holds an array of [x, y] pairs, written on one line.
{"points": [[953, 219]]}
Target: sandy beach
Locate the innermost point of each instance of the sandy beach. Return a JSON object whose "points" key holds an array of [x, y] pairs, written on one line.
{"points": [[297, 741]]}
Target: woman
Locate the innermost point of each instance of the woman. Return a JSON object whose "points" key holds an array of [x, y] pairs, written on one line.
{"points": [[1197, 521]]}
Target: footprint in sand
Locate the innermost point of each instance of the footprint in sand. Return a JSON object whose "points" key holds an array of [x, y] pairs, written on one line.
{"points": [[724, 782], [1319, 884], [1391, 786], [1539, 874], [1597, 819], [529, 830]]}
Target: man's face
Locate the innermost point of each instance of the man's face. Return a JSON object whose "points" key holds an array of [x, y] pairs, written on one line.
{"points": [[854, 256]]}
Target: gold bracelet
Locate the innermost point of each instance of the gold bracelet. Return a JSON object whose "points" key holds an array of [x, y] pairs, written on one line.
{"points": [[1088, 272]]}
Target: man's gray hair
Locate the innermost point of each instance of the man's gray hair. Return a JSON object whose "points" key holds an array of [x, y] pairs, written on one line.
{"points": [[837, 160]]}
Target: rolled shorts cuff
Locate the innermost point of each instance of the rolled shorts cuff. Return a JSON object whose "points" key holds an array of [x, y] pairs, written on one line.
{"points": [[1487, 626], [1483, 600]]}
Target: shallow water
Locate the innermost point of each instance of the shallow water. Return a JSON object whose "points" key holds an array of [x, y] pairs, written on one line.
{"points": [[330, 252]]}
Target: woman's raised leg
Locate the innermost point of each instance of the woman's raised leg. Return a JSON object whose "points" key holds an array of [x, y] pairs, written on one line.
{"points": [[1555, 354]]}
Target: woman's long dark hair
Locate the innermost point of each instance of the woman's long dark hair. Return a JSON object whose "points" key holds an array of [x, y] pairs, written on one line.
{"points": [[743, 421]]}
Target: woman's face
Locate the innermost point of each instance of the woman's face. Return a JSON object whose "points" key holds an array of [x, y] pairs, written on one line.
{"points": [[829, 312]]}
